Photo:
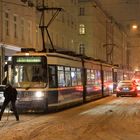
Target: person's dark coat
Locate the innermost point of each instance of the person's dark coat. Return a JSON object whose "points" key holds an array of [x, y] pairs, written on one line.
{"points": [[10, 93]]}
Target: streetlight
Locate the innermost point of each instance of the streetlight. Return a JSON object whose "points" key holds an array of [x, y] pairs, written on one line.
{"points": [[134, 26]]}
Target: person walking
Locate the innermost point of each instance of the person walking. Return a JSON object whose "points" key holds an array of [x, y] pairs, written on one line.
{"points": [[10, 95]]}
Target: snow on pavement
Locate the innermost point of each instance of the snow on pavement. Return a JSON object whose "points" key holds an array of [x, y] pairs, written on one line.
{"points": [[109, 118]]}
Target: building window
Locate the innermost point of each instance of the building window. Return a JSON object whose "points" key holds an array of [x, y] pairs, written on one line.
{"points": [[72, 22], [63, 44], [75, 2], [7, 23], [82, 29], [82, 49], [82, 11], [37, 35], [56, 40], [15, 26], [29, 31], [22, 29], [63, 19], [68, 20]]}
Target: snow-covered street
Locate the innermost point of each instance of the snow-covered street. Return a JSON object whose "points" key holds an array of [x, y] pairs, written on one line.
{"points": [[110, 118]]}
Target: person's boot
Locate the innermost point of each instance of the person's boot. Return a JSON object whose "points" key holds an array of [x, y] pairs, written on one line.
{"points": [[17, 118], [0, 117]]}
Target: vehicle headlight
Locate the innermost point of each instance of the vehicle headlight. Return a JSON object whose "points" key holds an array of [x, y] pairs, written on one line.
{"points": [[39, 94], [138, 88], [110, 86]]}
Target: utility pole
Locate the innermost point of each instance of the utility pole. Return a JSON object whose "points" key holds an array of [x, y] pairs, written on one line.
{"points": [[42, 8], [2, 49]]}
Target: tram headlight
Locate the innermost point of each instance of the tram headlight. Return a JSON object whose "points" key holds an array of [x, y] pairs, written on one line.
{"points": [[39, 94]]}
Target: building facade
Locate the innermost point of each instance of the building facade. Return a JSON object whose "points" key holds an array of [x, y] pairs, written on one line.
{"points": [[100, 35], [81, 26]]}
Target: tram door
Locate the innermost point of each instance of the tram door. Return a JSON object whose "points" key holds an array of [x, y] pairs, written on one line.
{"points": [[52, 93]]}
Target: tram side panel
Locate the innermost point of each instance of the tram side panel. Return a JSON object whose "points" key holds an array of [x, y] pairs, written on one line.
{"points": [[107, 79], [63, 85], [93, 80], [66, 87]]}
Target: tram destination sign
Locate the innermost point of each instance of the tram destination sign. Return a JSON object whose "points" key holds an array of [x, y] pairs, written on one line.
{"points": [[28, 59]]}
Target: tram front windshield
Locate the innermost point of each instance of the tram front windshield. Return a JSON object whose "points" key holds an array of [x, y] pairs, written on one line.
{"points": [[29, 71]]}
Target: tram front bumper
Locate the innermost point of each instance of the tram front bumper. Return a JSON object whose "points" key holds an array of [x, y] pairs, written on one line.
{"points": [[31, 105]]}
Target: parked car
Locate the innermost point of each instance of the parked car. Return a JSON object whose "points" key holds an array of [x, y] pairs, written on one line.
{"points": [[126, 88]]}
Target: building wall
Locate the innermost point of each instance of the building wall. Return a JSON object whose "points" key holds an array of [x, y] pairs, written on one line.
{"points": [[64, 30], [102, 35], [134, 50], [14, 13]]}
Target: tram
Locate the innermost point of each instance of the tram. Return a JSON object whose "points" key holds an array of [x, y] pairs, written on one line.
{"points": [[53, 81]]}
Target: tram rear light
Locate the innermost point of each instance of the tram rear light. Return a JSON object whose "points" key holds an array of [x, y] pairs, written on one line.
{"points": [[79, 88], [96, 88]]}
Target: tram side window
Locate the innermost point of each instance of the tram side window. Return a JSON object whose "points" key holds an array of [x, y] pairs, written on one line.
{"points": [[97, 77], [67, 76], [61, 80], [92, 76], [73, 76], [52, 77], [107, 76], [88, 77], [79, 78]]}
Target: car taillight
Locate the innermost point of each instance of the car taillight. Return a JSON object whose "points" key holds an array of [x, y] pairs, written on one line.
{"points": [[133, 88], [117, 89], [79, 88]]}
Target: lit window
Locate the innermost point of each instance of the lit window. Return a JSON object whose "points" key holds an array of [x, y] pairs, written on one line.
{"points": [[82, 29]]}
